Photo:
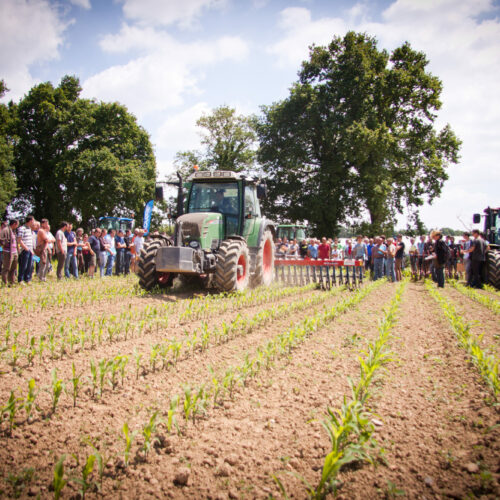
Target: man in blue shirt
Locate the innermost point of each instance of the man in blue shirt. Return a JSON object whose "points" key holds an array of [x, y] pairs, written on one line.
{"points": [[120, 252], [380, 250], [71, 255], [312, 249]]}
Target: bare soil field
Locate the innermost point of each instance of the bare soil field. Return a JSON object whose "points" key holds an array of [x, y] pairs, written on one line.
{"points": [[108, 392]]}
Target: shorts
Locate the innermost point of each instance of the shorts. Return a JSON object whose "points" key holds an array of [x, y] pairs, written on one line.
{"points": [[92, 260]]}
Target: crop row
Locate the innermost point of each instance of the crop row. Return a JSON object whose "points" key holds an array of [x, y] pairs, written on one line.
{"points": [[88, 331], [69, 293], [491, 303], [486, 363], [194, 402], [108, 372], [350, 427]]}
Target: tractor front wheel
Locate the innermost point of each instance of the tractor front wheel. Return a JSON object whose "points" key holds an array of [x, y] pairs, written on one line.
{"points": [[146, 269], [232, 270]]}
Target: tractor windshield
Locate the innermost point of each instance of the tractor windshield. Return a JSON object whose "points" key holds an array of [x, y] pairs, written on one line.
{"points": [[220, 197]]}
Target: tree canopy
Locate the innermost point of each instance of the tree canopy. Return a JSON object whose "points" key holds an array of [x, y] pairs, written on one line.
{"points": [[7, 178], [229, 140], [75, 158], [356, 135]]}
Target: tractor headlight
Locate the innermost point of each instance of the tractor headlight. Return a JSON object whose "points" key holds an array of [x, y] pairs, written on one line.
{"points": [[194, 244]]}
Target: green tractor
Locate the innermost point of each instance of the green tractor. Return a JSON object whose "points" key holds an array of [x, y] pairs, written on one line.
{"points": [[292, 232], [492, 232], [221, 241]]}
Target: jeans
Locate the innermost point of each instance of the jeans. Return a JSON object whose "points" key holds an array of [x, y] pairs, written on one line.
{"points": [[103, 257], [120, 261], [126, 264], [378, 268], [109, 265], [391, 274], [25, 260], [70, 259]]}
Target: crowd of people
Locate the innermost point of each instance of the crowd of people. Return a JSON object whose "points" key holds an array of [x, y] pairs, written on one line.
{"points": [[32, 247], [432, 256]]}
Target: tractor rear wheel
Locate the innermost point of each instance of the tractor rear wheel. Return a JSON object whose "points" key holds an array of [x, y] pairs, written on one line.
{"points": [[264, 263], [232, 269], [493, 271], [146, 269]]}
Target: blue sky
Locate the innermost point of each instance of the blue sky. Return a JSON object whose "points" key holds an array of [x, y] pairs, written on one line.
{"points": [[169, 61]]}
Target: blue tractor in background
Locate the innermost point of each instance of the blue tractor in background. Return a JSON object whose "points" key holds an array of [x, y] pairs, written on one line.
{"points": [[116, 223]]}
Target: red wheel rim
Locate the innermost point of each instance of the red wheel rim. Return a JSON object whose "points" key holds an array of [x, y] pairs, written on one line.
{"points": [[242, 261], [163, 278], [267, 257]]}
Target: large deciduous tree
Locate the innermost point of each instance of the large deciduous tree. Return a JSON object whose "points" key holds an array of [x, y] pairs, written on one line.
{"points": [[229, 140], [356, 134], [7, 178], [76, 159]]}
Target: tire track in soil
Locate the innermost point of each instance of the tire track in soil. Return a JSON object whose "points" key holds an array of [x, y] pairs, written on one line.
{"points": [[435, 420], [236, 449], [40, 443], [483, 321]]}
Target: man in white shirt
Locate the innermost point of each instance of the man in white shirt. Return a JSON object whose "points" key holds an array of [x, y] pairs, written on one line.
{"points": [[25, 241], [61, 248]]}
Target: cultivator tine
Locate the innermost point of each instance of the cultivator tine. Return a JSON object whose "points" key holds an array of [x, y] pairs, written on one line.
{"points": [[276, 273], [315, 279], [295, 277], [283, 274], [354, 277], [288, 276], [321, 284], [301, 275], [341, 277], [308, 279], [328, 284]]}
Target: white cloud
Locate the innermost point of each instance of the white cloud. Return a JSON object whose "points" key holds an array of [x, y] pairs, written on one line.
{"points": [[301, 32], [164, 72], [31, 31], [166, 12], [179, 133], [462, 42], [84, 4]]}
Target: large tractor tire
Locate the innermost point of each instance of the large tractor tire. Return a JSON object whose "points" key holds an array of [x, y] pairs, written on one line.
{"points": [[232, 271], [146, 269], [264, 263], [493, 268]]}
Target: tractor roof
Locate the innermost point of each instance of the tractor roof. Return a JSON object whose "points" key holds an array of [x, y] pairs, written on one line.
{"points": [[221, 175]]}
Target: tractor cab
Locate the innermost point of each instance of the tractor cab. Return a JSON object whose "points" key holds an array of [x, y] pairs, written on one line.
{"points": [[117, 223], [491, 225]]}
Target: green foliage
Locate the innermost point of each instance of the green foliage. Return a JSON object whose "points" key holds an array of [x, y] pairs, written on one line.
{"points": [[356, 132], [59, 482], [129, 439], [74, 155], [7, 177], [229, 141]]}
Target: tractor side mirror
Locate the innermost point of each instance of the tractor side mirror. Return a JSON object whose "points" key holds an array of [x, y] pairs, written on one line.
{"points": [[159, 193], [262, 191], [476, 218]]}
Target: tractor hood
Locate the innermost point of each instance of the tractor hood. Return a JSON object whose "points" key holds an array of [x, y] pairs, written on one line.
{"points": [[205, 227]]}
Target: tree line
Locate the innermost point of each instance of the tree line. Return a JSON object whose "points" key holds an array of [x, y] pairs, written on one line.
{"points": [[355, 138]]}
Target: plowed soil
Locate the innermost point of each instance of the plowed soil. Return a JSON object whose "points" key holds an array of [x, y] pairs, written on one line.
{"points": [[437, 423]]}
